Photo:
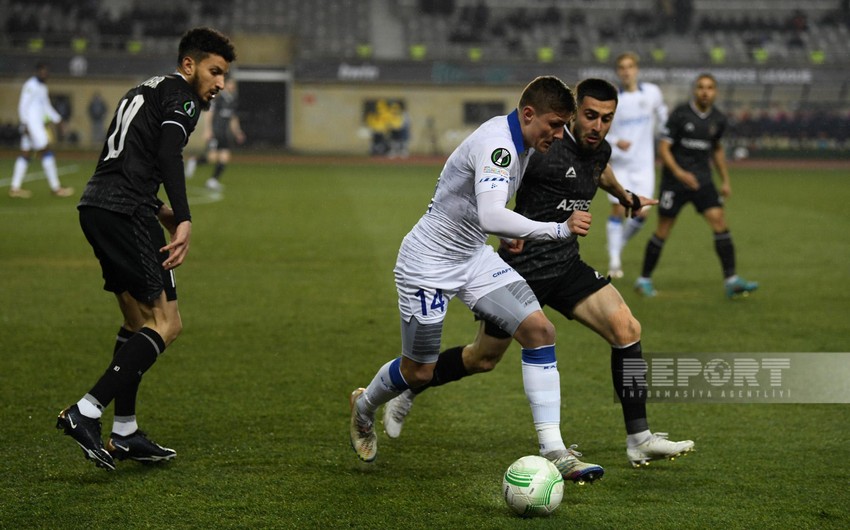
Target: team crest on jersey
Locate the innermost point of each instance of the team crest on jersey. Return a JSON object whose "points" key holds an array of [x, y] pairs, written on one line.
{"points": [[189, 107], [690, 127], [501, 157], [571, 173]]}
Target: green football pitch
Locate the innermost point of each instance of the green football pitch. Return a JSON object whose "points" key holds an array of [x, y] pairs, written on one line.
{"points": [[288, 304]]}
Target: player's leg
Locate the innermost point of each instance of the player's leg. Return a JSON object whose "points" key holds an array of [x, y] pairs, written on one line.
{"points": [[20, 169], [616, 241], [671, 202], [606, 313], [422, 311], [40, 143], [221, 165], [18, 173], [127, 441], [642, 183], [652, 254], [455, 363], [128, 251], [51, 172], [734, 285]]}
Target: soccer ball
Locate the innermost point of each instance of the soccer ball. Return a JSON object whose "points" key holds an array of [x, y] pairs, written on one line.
{"points": [[533, 486]]}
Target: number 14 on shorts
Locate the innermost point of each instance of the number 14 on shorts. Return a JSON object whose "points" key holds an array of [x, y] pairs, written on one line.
{"points": [[437, 301]]}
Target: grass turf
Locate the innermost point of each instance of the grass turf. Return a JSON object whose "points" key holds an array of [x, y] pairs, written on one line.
{"points": [[288, 304]]}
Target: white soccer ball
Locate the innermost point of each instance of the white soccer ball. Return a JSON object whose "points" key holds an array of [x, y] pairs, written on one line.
{"points": [[533, 486]]}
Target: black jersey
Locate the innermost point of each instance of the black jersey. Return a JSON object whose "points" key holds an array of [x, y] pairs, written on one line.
{"points": [[224, 108], [556, 184], [694, 136], [127, 177]]}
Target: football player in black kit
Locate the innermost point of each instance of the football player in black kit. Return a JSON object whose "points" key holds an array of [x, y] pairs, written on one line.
{"points": [[120, 215], [690, 143], [559, 186]]}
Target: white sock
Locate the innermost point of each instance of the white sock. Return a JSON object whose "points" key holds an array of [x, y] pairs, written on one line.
{"points": [[19, 173], [88, 408], [632, 227], [634, 440], [124, 425], [387, 384], [543, 389], [48, 163], [614, 229]]}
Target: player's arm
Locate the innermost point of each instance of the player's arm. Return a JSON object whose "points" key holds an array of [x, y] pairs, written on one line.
{"points": [[630, 201], [666, 153], [719, 158], [496, 219], [236, 129], [170, 164], [208, 128]]}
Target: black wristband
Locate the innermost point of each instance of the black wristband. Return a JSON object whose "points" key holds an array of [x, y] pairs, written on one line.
{"points": [[635, 201]]}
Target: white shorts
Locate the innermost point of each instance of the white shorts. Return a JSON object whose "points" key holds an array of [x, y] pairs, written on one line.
{"points": [[640, 182], [35, 138], [424, 289]]}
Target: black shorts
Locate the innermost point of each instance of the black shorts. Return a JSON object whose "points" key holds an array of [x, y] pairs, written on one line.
{"points": [[673, 197], [221, 141], [128, 250], [561, 293]]}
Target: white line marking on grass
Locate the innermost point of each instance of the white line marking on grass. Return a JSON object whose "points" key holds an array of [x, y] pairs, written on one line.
{"points": [[39, 175]]}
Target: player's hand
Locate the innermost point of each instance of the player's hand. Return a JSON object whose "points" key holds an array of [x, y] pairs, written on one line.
{"points": [[179, 246], [579, 223], [636, 203], [726, 190], [513, 246], [689, 180], [623, 145]]}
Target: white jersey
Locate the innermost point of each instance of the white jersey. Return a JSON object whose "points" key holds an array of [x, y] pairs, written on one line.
{"points": [[490, 158], [639, 114], [34, 106]]}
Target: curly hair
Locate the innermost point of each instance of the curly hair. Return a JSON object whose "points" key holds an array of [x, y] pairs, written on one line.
{"points": [[198, 43]]}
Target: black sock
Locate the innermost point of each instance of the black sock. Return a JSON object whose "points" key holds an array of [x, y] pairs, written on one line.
{"points": [[449, 368], [219, 169], [651, 255], [726, 252], [130, 362], [631, 389], [125, 399]]}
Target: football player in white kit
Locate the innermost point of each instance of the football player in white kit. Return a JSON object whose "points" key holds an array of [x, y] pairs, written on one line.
{"points": [[34, 109], [446, 255], [641, 111]]}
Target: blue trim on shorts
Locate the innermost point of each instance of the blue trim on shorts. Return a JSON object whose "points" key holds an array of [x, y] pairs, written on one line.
{"points": [[395, 375], [542, 355]]}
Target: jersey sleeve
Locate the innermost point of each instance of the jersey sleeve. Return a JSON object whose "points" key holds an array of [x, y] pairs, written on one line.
{"points": [[661, 112], [180, 108], [671, 129], [494, 162]]}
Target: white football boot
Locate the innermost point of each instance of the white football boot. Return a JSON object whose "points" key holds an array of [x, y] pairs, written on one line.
{"points": [[657, 447], [395, 411]]}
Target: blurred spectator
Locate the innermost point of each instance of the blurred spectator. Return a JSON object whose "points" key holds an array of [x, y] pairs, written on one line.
{"points": [[97, 114]]}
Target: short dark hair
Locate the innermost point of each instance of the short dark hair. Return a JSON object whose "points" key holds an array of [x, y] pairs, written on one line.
{"points": [[597, 89], [198, 43], [548, 94], [705, 75]]}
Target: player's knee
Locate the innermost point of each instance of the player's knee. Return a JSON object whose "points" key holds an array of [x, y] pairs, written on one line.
{"points": [[626, 328], [477, 360], [535, 331], [172, 329], [418, 375]]}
